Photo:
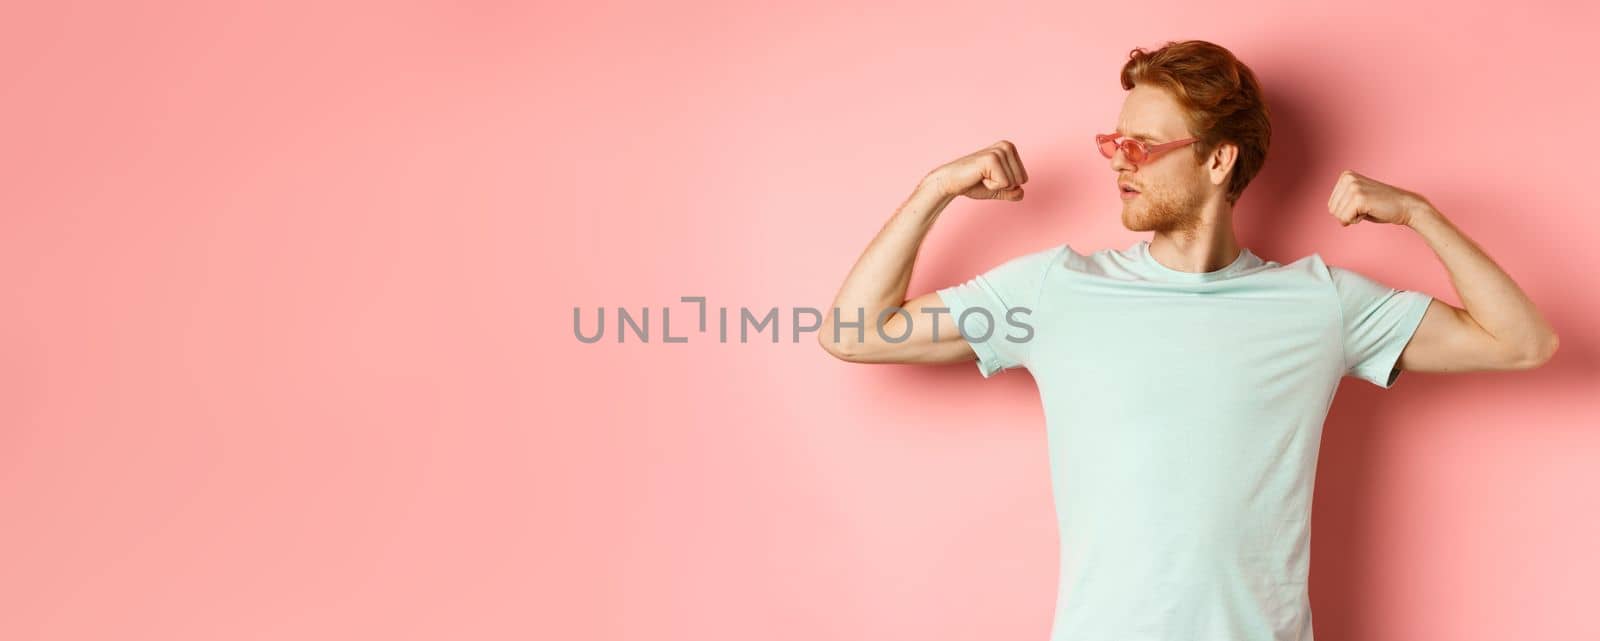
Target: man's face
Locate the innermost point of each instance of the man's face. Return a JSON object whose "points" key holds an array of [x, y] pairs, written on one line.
{"points": [[1172, 186]]}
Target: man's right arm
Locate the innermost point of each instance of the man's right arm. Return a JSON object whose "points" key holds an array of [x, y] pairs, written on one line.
{"points": [[877, 284]]}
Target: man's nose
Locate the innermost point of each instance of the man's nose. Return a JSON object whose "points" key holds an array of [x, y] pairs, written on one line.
{"points": [[1119, 161]]}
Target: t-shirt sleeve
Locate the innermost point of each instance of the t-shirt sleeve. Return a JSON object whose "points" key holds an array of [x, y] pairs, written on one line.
{"points": [[1378, 323], [994, 310]]}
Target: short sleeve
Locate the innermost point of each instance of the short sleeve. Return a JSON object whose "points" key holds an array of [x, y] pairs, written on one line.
{"points": [[1378, 323], [995, 309]]}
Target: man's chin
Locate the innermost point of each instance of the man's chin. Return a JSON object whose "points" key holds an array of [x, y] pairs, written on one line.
{"points": [[1134, 222]]}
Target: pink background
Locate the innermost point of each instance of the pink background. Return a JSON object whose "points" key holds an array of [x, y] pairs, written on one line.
{"points": [[288, 349]]}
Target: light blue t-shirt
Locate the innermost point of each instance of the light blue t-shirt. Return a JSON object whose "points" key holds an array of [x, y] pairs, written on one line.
{"points": [[1184, 412]]}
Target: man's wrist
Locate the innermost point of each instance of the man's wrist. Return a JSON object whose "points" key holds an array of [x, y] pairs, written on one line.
{"points": [[930, 198], [1421, 214], [932, 185]]}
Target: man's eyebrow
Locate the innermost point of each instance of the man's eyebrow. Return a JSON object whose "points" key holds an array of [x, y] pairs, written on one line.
{"points": [[1141, 136]]}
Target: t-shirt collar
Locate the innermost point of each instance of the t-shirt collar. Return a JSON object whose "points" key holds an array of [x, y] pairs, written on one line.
{"points": [[1154, 269]]}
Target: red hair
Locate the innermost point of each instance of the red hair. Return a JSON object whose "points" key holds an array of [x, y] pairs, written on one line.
{"points": [[1221, 101]]}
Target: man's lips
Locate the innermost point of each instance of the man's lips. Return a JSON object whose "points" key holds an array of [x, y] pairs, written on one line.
{"points": [[1127, 191]]}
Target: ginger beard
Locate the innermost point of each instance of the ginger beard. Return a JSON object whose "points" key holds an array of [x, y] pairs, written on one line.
{"points": [[1159, 209]]}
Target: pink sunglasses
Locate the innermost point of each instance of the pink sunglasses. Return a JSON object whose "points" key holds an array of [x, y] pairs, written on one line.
{"points": [[1136, 151]]}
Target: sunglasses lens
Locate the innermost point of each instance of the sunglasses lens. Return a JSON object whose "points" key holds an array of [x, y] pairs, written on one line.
{"points": [[1134, 151]]}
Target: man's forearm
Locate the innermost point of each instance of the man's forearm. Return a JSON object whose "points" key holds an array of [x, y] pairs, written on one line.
{"points": [[882, 274], [1491, 298]]}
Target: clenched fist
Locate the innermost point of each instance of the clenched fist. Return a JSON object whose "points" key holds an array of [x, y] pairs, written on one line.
{"points": [[1356, 197], [992, 173]]}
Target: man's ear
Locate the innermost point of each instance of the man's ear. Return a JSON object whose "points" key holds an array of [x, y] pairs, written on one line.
{"points": [[1223, 158]]}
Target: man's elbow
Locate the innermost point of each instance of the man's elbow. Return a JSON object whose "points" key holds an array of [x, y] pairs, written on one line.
{"points": [[842, 348], [1538, 353]]}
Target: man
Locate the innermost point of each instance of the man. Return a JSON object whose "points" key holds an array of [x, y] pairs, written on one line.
{"points": [[1184, 379]]}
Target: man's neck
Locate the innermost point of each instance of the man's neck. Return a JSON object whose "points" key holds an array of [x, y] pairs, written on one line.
{"points": [[1211, 245]]}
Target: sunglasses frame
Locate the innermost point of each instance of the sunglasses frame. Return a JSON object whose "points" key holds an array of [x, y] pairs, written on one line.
{"points": [[1131, 146]]}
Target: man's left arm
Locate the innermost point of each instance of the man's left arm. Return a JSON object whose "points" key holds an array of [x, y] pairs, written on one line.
{"points": [[1499, 329]]}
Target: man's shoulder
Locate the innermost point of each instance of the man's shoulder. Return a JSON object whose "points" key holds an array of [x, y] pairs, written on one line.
{"points": [[1311, 263], [1069, 257], [1042, 260]]}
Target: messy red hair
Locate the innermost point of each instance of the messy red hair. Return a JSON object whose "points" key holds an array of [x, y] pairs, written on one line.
{"points": [[1221, 100]]}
